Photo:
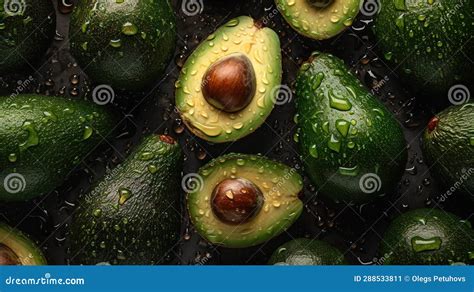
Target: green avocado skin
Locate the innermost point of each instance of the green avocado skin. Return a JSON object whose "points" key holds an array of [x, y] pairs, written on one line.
{"points": [[42, 139], [449, 148], [26, 31], [307, 252], [126, 45], [444, 238], [131, 216], [346, 136], [428, 43]]}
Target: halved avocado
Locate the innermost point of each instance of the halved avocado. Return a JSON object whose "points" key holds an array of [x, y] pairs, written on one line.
{"points": [[319, 19], [17, 249], [228, 86], [245, 200]]}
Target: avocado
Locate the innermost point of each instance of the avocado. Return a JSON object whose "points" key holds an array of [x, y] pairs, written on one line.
{"points": [[428, 41], [319, 19], [228, 86], [352, 147], [17, 249], [26, 31], [42, 139], [307, 252], [448, 147], [241, 200], [132, 215], [427, 237], [125, 44]]}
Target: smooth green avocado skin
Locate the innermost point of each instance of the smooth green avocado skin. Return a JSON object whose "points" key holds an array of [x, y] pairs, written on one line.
{"points": [[19, 242], [429, 42], [132, 215], [346, 136], [449, 148], [126, 45], [447, 239], [306, 252], [43, 138], [26, 31]]}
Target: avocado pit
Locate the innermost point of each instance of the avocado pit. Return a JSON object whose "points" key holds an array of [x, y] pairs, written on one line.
{"points": [[320, 3], [236, 201], [8, 256], [229, 84]]}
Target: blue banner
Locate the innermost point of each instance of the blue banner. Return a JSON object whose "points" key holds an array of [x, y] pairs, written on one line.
{"points": [[237, 278]]}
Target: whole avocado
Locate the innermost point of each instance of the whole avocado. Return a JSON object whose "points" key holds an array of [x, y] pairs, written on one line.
{"points": [[42, 139], [132, 215], [429, 41], [125, 44], [352, 147], [26, 31], [427, 237]]}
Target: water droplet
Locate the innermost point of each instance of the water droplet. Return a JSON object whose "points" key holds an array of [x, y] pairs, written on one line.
{"points": [[12, 157], [313, 151], [145, 156], [343, 127], [97, 212], [129, 28], [116, 43], [338, 102], [32, 139], [420, 244], [124, 195], [349, 171], [87, 133], [334, 143]]}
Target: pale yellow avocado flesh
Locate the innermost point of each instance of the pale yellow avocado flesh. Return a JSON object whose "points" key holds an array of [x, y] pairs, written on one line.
{"points": [[25, 250], [262, 47]]}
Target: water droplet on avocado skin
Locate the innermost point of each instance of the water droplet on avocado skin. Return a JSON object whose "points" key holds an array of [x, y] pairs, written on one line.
{"points": [[32, 138], [420, 244]]}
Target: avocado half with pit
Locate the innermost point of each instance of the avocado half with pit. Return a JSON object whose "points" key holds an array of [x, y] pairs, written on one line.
{"points": [[319, 19], [228, 86], [244, 200], [17, 249]]}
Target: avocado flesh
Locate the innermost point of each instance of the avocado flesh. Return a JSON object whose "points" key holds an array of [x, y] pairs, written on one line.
{"points": [[42, 139], [449, 148], [262, 47], [427, 237], [346, 135], [429, 42], [126, 44], [279, 184], [131, 216], [16, 246], [306, 252], [26, 31], [318, 23]]}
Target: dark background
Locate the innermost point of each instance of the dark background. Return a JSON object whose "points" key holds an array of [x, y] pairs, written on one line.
{"points": [[355, 230]]}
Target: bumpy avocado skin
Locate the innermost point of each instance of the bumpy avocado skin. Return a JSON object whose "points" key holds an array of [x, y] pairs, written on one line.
{"points": [[427, 237], [449, 148], [428, 41], [26, 31], [242, 35], [125, 44], [132, 215], [27, 252], [353, 149], [319, 23], [306, 252], [43, 138], [279, 184]]}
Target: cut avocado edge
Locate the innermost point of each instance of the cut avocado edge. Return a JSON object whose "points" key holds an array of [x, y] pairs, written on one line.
{"points": [[26, 252], [319, 23], [240, 35], [280, 185]]}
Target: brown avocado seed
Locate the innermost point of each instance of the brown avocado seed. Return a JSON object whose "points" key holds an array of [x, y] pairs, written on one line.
{"points": [[236, 201], [8, 256], [229, 84]]}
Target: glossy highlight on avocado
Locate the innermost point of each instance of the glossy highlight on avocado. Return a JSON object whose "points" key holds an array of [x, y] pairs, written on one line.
{"points": [[17, 249], [306, 252], [26, 31], [448, 147], [132, 215], [353, 148], [319, 19], [428, 41], [227, 87], [43, 138], [427, 237], [125, 44], [257, 200]]}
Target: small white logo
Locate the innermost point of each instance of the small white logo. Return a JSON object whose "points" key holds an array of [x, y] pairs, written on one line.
{"points": [[14, 183], [370, 183], [14, 7], [192, 7], [103, 94], [192, 182], [370, 7], [458, 94], [281, 94]]}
